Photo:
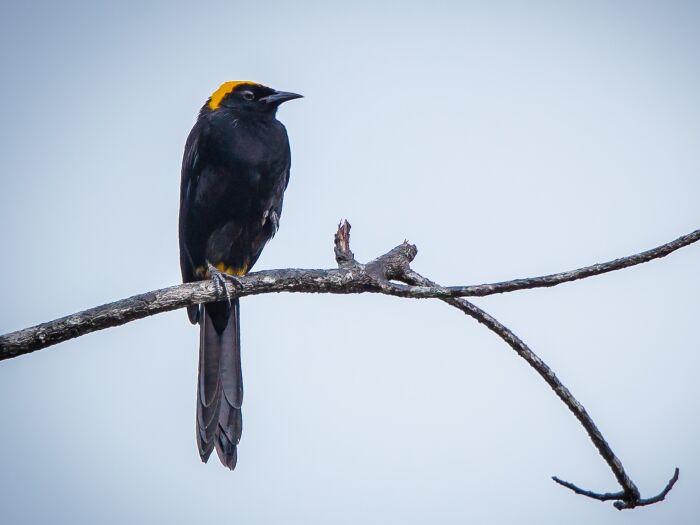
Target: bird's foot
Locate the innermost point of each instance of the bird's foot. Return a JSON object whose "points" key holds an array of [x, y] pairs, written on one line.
{"points": [[233, 280], [220, 278]]}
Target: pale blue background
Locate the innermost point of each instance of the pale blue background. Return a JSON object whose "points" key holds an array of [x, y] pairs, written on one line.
{"points": [[505, 139]]}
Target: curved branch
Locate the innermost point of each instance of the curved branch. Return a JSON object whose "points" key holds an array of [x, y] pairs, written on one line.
{"points": [[630, 493], [621, 504], [351, 277]]}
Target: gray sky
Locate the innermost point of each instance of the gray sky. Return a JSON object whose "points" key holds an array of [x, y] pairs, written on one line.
{"points": [[504, 140]]}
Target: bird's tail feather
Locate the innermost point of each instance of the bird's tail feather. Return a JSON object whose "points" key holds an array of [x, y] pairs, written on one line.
{"points": [[220, 387]]}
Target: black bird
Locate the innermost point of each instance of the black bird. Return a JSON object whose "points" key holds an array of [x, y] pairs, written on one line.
{"points": [[234, 173]]}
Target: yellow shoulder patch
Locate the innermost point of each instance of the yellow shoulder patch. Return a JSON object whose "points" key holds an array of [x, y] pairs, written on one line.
{"points": [[224, 89]]}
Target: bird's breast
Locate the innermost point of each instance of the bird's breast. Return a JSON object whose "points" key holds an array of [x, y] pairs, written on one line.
{"points": [[254, 144]]}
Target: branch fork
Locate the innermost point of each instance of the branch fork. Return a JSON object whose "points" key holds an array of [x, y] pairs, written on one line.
{"points": [[388, 274], [395, 265]]}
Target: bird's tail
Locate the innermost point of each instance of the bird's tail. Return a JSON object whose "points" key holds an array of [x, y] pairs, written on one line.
{"points": [[220, 383]]}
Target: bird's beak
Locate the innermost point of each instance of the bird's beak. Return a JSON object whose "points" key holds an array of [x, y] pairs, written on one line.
{"points": [[280, 96]]}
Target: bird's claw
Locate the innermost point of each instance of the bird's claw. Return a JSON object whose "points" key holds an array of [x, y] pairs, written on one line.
{"points": [[220, 279]]}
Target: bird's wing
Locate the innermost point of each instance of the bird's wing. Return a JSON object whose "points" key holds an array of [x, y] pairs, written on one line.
{"points": [[191, 170], [272, 211]]}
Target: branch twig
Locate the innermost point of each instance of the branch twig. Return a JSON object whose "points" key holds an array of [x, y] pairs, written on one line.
{"points": [[621, 502], [388, 274], [574, 275]]}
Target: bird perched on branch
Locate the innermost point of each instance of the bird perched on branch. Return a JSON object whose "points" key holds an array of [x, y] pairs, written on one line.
{"points": [[234, 173]]}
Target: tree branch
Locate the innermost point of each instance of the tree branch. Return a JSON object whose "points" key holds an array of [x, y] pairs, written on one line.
{"points": [[349, 278], [378, 276], [574, 275], [629, 496]]}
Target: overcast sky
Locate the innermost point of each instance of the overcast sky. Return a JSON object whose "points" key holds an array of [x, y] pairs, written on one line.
{"points": [[504, 140]]}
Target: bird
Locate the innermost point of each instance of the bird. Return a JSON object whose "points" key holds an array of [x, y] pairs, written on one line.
{"points": [[235, 169]]}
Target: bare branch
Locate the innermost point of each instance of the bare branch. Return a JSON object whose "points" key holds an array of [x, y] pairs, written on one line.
{"points": [[607, 496], [630, 491], [143, 305], [622, 503], [574, 275], [350, 278], [388, 274]]}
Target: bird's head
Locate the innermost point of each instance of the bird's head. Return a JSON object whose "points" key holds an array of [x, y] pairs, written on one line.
{"points": [[245, 96]]}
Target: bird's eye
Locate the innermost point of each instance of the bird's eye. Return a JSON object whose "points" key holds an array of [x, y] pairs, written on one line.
{"points": [[248, 95]]}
